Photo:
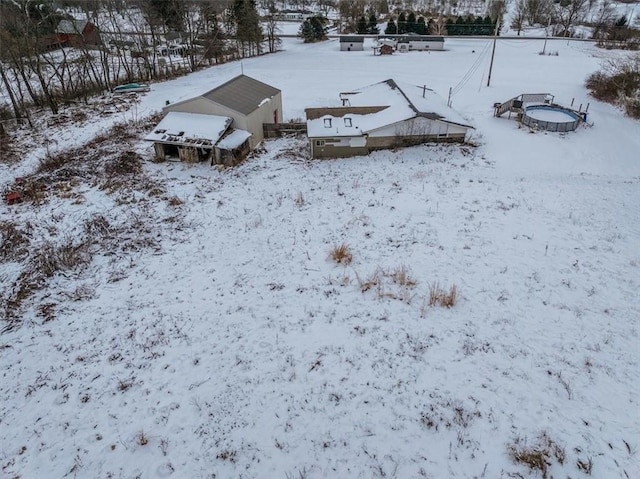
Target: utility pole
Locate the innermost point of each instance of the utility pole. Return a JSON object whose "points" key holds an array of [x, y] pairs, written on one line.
{"points": [[493, 52], [544, 48]]}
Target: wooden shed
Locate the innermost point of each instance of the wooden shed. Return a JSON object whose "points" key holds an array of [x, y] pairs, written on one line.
{"points": [[193, 137]]}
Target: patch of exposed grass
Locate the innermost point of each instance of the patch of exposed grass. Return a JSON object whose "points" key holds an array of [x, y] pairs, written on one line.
{"points": [[439, 296], [341, 254], [14, 241], [539, 456]]}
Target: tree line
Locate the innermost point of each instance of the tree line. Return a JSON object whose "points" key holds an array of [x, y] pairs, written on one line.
{"points": [[34, 71], [561, 17]]}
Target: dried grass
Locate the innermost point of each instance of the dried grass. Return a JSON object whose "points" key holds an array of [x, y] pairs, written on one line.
{"points": [[14, 242], [439, 296], [341, 254], [402, 276], [539, 456]]}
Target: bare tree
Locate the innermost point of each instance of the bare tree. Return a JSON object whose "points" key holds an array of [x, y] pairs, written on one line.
{"points": [[567, 14], [325, 6], [603, 18], [350, 12], [497, 9], [519, 15], [271, 28], [438, 26], [538, 11]]}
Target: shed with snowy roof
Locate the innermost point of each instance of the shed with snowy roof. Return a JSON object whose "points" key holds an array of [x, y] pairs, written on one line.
{"points": [[384, 115], [248, 102], [195, 137]]}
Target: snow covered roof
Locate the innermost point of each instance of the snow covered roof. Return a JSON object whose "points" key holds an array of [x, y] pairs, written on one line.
{"points": [[233, 140], [344, 121], [180, 128], [405, 101], [71, 26], [386, 41], [386, 103], [242, 94]]}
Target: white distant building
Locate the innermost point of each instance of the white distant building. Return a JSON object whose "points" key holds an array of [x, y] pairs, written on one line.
{"points": [[295, 15], [409, 42]]}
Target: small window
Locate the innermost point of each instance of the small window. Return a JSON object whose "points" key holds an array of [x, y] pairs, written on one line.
{"points": [[347, 122], [327, 122], [319, 142]]}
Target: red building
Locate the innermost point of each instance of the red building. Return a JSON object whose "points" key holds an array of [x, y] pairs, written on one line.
{"points": [[77, 33]]}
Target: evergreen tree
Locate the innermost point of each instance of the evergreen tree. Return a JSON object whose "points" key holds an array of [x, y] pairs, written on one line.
{"points": [[313, 29], [402, 24], [470, 25], [478, 26], [362, 27], [391, 27], [489, 26], [411, 23], [244, 16], [451, 27], [372, 27], [461, 26], [421, 26]]}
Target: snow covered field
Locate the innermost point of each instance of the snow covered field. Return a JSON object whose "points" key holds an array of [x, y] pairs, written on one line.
{"points": [[233, 346]]}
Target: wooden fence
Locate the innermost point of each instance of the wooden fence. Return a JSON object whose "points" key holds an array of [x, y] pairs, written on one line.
{"points": [[276, 130]]}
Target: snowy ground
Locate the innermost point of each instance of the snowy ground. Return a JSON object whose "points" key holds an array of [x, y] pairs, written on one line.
{"points": [[229, 344]]}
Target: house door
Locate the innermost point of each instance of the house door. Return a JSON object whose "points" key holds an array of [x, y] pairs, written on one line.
{"points": [[275, 116]]}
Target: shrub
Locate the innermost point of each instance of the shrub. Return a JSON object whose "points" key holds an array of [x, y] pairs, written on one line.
{"points": [[618, 83], [403, 277], [341, 254], [14, 242], [53, 259], [439, 296], [537, 457]]}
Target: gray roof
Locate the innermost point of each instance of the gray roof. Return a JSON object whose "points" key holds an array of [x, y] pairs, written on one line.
{"points": [[242, 94], [71, 26], [351, 39]]}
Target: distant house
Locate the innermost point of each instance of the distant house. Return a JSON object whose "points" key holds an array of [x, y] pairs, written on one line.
{"points": [[248, 102], [380, 116], [193, 137], [77, 33], [350, 43], [412, 42], [295, 15]]}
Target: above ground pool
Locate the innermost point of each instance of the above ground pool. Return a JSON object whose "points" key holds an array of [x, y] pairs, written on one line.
{"points": [[550, 118]]}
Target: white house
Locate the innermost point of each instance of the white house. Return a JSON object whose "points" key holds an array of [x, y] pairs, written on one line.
{"points": [[380, 116], [413, 42]]}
